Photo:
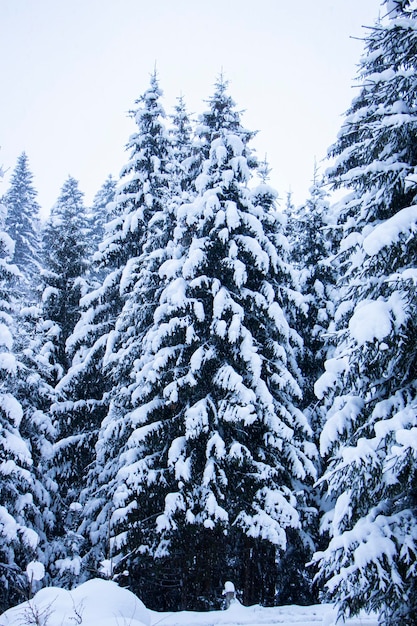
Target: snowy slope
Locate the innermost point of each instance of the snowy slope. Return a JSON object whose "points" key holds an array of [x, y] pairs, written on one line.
{"points": [[103, 603]]}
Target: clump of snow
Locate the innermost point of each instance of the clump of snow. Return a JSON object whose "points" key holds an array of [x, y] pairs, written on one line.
{"points": [[8, 363], [333, 368], [11, 407], [350, 241], [96, 602], [35, 571], [387, 233], [370, 321], [6, 338], [229, 587], [407, 438], [69, 564], [374, 319], [342, 415], [8, 525]]}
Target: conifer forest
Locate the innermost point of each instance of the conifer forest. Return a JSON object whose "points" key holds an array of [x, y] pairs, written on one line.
{"points": [[200, 381]]}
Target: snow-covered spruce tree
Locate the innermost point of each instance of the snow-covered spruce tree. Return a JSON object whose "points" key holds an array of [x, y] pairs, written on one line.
{"points": [[84, 391], [22, 497], [99, 215], [23, 225], [293, 581], [64, 263], [101, 211], [311, 236], [310, 233], [370, 387], [219, 117], [202, 458], [64, 260], [183, 152]]}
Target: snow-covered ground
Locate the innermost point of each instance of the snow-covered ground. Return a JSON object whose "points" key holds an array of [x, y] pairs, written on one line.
{"points": [[237, 615], [103, 603]]}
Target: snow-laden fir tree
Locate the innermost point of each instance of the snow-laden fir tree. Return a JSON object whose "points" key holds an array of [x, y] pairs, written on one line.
{"points": [[64, 262], [99, 215], [370, 387], [310, 232], [202, 458], [23, 225], [293, 580], [63, 276], [139, 198], [83, 393], [182, 148], [221, 115], [311, 237], [137, 258], [23, 499]]}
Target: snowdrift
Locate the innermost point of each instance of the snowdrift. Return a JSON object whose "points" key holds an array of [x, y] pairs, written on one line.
{"points": [[94, 603], [104, 603]]}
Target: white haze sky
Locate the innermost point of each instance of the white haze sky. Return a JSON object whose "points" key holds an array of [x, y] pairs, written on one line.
{"points": [[72, 69]]}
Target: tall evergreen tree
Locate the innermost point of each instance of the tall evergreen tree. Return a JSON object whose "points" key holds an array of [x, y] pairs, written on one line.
{"points": [[23, 224], [64, 261], [311, 237], [64, 249], [203, 454], [23, 498], [84, 391], [370, 385]]}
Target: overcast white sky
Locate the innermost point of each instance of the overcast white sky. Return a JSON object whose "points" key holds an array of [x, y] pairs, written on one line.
{"points": [[71, 69]]}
